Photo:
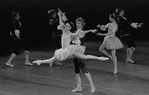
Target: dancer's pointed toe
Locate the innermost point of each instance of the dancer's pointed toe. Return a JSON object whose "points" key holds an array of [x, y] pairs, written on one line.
{"points": [[38, 62]]}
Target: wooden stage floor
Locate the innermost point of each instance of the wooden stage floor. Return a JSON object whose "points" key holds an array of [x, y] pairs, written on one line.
{"points": [[131, 79]]}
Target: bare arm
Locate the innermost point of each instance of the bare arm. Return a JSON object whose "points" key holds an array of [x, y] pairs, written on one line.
{"points": [[104, 34], [91, 30], [61, 24]]}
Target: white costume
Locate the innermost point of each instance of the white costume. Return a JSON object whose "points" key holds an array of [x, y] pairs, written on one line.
{"points": [[68, 50], [111, 41]]}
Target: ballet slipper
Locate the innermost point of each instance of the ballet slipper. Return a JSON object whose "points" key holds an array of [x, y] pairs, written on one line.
{"points": [[129, 61], [28, 63], [77, 89], [93, 89], [115, 70], [103, 58], [9, 64]]}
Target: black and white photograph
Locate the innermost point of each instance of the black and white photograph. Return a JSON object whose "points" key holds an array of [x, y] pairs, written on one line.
{"points": [[74, 47]]}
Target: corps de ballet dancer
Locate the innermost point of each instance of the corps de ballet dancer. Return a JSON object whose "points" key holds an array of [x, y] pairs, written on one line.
{"points": [[16, 35], [110, 42], [53, 31], [125, 34]]}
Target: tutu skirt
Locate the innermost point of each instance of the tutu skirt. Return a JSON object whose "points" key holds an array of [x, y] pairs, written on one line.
{"points": [[68, 52], [113, 42]]}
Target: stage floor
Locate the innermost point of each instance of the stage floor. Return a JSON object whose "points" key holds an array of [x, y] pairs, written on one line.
{"points": [[131, 79]]}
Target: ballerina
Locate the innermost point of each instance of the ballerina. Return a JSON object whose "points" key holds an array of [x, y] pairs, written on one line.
{"points": [[110, 42], [67, 50]]}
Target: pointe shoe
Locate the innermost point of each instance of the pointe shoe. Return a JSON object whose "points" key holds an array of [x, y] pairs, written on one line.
{"points": [[77, 89], [9, 64], [92, 89], [115, 70], [129, 61], [28, 63], [38, 62], [103, 58]]}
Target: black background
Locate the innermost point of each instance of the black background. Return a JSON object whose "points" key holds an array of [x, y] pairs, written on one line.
{"points": [[34, 15]]}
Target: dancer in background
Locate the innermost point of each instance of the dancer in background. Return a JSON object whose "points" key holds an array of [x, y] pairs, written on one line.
{"points": [[55, 33], [17, 39], [78, 63], [67, 50], [111, 42], [125, 34], [53, 24]]}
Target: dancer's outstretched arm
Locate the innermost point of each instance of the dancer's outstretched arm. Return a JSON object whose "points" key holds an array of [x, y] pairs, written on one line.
{"points": [[91, 30]]}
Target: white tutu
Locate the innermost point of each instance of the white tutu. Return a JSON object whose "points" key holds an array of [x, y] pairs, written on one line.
{"points": [[113, 42], [68, 52]]}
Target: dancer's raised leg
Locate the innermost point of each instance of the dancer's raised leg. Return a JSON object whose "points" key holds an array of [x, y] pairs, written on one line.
{"points": [[102, 49], [80, 55]]}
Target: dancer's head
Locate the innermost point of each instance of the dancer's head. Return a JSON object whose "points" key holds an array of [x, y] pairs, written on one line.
{"points": [[119, 12], [80, 23], [112, 17], [69, 26], [15, 15], [52, 13]]}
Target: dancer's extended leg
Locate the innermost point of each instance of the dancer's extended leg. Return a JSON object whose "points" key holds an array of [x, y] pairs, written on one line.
{"points": [[51, 60], [80, 55]]}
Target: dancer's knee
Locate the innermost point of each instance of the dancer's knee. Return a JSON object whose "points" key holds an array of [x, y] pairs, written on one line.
{"points": [[84, 70]]}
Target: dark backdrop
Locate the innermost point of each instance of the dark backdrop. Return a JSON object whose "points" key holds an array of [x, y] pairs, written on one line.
{"points": [[34, 16]]}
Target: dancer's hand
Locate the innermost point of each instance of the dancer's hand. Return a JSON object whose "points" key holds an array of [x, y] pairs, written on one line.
{"points": [[94, 30], [102, 27], [98, 25], [140, 24], [136, 25], [10, 33], [60, 13], [17, 33], [99, 34]]}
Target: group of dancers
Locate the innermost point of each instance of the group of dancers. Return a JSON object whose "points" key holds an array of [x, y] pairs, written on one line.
{"points": [[72, 42]]}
